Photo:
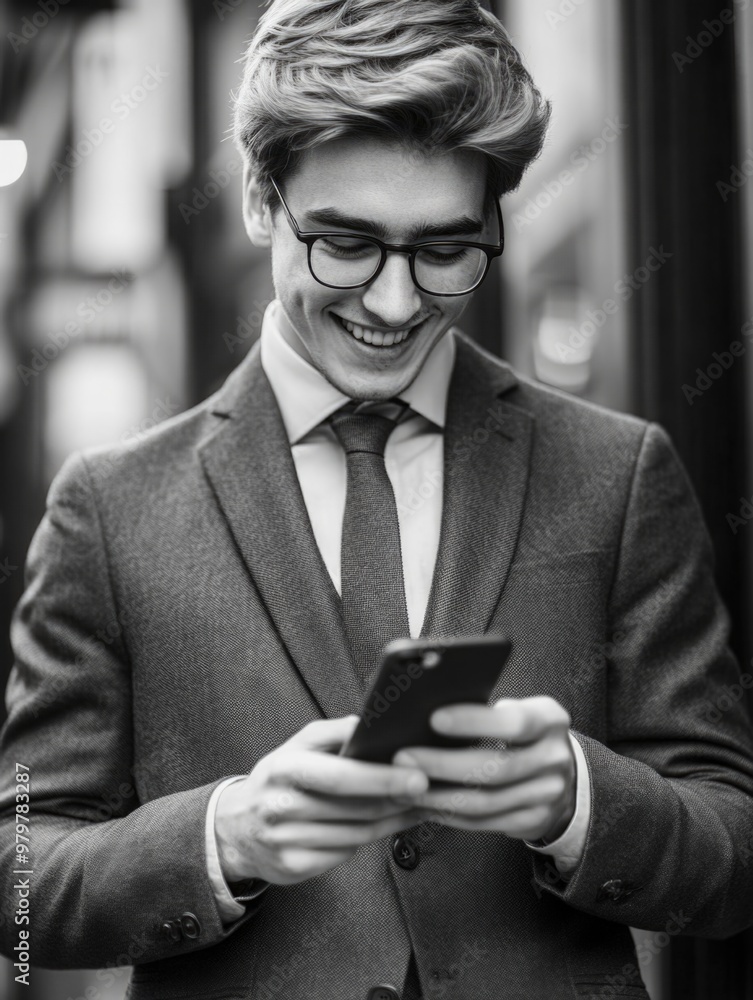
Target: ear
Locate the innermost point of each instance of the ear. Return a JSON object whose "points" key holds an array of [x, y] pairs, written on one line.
{"points": [[256, 215]]}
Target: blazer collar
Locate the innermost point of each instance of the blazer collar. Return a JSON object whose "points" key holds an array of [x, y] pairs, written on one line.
{"points": [[487, 453]]}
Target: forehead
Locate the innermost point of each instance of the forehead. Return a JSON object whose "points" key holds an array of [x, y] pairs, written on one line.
{"points": [[388, 183]]}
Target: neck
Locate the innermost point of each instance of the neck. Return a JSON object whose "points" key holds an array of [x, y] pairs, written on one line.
{"points": [[293, 337]]}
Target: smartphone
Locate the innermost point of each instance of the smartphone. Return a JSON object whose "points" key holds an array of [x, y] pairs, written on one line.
{"points": [[416, 677]]}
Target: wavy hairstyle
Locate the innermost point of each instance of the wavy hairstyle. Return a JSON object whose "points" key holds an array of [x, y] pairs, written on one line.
{"points": [[432, 75]]}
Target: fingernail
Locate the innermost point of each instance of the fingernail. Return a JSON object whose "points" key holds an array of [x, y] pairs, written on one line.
{"points": [[405, 760], [441, 720]]}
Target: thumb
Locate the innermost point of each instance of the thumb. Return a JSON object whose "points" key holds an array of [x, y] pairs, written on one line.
{"points": [[325, 733]]}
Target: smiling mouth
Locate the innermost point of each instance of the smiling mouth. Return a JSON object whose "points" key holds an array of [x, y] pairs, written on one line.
{"points": [[377, 338]]}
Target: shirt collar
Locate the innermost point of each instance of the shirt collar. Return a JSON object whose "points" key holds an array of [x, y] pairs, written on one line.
{"points": [[306, 398]]}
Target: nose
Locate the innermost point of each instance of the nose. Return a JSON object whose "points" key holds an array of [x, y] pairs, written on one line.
{"points": [[392, 295]]}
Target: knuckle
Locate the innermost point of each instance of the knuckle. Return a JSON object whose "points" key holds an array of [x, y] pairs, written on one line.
{"points": [[274, 810], [270, 838], [554, 712], [554, 787], [274, 765], [267, 815], [294, 861]]}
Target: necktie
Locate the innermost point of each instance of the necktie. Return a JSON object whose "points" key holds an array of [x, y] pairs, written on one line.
{"points": [[372, 593], [372, 590]]}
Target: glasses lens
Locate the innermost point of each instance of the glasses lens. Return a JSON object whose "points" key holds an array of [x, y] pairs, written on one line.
{"points": [[450, 269], [344, 260]]}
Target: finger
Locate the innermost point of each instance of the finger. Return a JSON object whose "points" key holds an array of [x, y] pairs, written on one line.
{"points": [[297, 863], [323, 734], [486, 767], [460, 766], [513, 720], [344, 777], [525, 824], [543, 791], [296, 805], [334, 836]]}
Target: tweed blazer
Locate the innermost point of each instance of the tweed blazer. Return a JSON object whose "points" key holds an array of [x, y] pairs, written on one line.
{"points": [[179, 624]]}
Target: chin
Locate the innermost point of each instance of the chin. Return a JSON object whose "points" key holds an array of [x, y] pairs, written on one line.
{"points": [[378, 387]]}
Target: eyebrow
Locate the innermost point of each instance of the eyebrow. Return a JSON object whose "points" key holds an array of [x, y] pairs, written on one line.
{"points": [[464, 225]]}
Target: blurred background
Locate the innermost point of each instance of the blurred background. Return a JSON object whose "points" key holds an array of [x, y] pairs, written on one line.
{"points": [[128, 288]]}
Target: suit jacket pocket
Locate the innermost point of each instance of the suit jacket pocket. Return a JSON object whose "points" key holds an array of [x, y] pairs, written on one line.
{"points": [[564, 567]]}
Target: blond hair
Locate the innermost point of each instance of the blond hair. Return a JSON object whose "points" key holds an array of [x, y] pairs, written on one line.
{"points": [[433, 75]]}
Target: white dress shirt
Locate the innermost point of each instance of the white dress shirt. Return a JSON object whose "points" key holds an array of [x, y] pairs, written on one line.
{"points": [[414, 458]]}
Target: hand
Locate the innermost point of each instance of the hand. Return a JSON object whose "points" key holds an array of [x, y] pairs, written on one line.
{"points": [[526, 790], [303, 810]]}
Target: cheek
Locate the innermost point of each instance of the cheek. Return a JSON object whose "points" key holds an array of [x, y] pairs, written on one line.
{"points": [[456, 307], [286, 274]]}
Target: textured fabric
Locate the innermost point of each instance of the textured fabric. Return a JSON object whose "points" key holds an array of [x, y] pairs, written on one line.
{"points": [[162, 646], [372, 590]]}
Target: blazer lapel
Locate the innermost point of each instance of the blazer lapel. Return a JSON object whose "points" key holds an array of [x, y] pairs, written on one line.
{"points": [[250, 467], [486, 469]]}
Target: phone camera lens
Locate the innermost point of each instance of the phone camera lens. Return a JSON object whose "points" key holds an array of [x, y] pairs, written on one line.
{"points": [[431, 658]]}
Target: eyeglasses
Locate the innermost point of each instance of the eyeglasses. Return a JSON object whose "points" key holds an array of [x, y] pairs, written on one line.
{"points": [[351, 260]]}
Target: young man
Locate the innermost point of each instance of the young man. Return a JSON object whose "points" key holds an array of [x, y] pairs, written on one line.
{"points": [[205, 611]]}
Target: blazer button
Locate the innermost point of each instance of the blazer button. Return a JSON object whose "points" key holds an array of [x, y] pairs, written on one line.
{"points": [[615, 890], [405, 852], [171, 929], [383, 993], [189, 924]]}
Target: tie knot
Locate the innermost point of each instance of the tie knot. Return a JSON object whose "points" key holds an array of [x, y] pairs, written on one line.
{"points": [[362, 432]]}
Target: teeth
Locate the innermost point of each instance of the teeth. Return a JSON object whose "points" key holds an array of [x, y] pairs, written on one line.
{"points": [[375, 337]]}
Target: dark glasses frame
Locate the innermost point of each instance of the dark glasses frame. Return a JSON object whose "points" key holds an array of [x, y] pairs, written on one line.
{"points": [[412, 249]]}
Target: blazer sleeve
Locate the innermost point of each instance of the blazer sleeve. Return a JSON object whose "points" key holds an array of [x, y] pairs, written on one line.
{"points": [[112, 881], [671, 829]]}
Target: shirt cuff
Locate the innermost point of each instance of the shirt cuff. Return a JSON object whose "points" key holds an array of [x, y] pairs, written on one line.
{"points": [[567, 849], [229, 907]]}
